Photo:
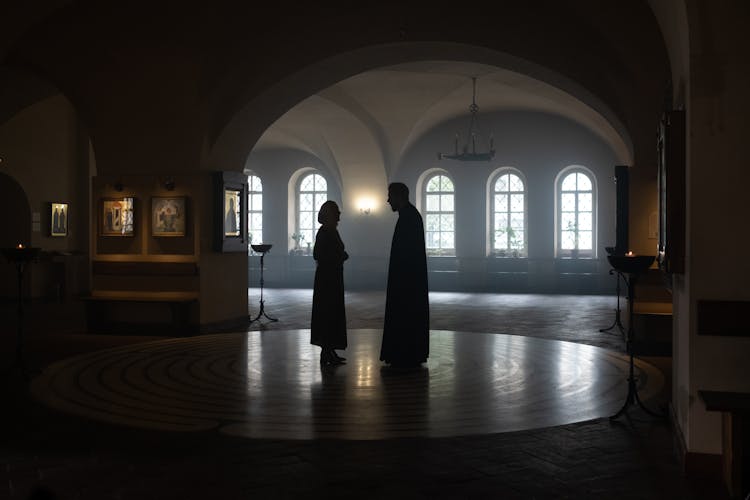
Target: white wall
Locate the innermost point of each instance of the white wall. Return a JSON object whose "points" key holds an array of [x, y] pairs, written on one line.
{"points": [[539, 145]]}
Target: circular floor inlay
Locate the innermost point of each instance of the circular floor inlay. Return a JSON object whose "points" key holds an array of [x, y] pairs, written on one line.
{"points": [[270, 385]]}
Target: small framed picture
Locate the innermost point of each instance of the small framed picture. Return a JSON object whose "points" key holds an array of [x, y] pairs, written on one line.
{"points": [[117, 217], [168, 216], [58, 219], [232, 214]]}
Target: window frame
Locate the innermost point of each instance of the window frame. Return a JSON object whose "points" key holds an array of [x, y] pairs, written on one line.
{"points": [[491, 193], [561, 176], [314, 213], [251, 209], [427, 177]]}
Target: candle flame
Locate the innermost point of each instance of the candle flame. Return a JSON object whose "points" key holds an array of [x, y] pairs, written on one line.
{"points": [[20, 246], [630, 253]]}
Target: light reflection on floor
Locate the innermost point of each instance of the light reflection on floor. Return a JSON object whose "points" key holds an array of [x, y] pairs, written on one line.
{"points": [[270, 385]]}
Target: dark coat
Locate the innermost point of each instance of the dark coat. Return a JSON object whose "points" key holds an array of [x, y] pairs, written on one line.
{"points": [[406, 333], [328, 324]]}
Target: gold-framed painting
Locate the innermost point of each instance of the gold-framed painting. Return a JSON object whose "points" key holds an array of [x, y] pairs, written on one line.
{"points": [[168, 216], [59, 219], [117, 217]]}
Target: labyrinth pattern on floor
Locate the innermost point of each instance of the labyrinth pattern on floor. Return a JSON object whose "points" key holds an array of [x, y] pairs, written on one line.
{"points": [[269, 384]]}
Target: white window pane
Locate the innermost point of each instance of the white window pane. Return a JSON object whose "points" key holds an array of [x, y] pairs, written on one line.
{"points": [[446, 240], [585, 222], [433, 202], [446, 222], [585, 241], [255, 184], [446, 203], [568, 221], [305, 220], [320, 198], [584, 183], [584, 202], [257, 237], [446, 184], [432, 239], [434, 184], [516, 221], [501, 221], [569, 182], [516, 184], [516, 203], [568, 240], [309, 237], [320, 183], [501, 240], [256, 202], [308, 183], [501, 185], [306, 202], [568, 202], [432, 222], [256, 220], [501, 203]]}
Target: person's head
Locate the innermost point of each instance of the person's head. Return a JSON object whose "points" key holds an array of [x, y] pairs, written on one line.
{"points": [[398, 195], [329, 213]]}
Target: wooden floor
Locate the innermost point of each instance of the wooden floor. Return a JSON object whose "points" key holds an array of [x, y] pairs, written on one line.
{"points": [[269, 384]]}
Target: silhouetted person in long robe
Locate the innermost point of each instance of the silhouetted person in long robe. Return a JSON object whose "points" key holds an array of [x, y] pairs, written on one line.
{"points": [[406, 333], [56, 222], [328, 323], [62, 221]]}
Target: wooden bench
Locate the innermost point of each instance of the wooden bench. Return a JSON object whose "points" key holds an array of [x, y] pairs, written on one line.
{"points": [[735, 430], [99, 313]]}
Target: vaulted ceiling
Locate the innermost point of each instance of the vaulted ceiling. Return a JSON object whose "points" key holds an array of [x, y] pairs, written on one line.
{"points": [[202, 84], [397, 104]]}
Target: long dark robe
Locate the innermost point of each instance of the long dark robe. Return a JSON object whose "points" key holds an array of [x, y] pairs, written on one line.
{"points": [[328, 324], [406, 333]]}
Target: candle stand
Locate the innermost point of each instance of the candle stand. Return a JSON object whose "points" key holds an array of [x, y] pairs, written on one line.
{"points": [[633, 266], [262, 249], [617, 323], [20, 256]]}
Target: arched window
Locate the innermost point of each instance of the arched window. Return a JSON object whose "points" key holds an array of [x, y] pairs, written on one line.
{"points": [[312, 193], [255, 209], [508, 233], [576, 206], [440, 216]]}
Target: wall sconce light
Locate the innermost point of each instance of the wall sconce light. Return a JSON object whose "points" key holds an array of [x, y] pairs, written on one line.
{"points": [[365, 205]]}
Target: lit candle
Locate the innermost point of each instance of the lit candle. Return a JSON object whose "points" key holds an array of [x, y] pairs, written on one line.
{"points": [[20, 246], [630, 254]]}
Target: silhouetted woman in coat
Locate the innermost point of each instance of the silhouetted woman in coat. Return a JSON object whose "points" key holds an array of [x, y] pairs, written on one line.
{"points": [[328, 325]]}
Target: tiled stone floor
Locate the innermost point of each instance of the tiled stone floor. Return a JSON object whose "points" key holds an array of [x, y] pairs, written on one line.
{"points": [[575, 318], [75, 458]]}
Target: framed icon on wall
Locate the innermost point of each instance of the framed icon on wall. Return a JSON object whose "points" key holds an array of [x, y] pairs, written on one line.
{"points": [[231, 212], [168, 216], [116, 217], [59, 219], [232, 222]]}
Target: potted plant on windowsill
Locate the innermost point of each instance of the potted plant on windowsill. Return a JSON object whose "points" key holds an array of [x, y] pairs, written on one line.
{"points": [[515, 249], [298, 238], [575, 251]]}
